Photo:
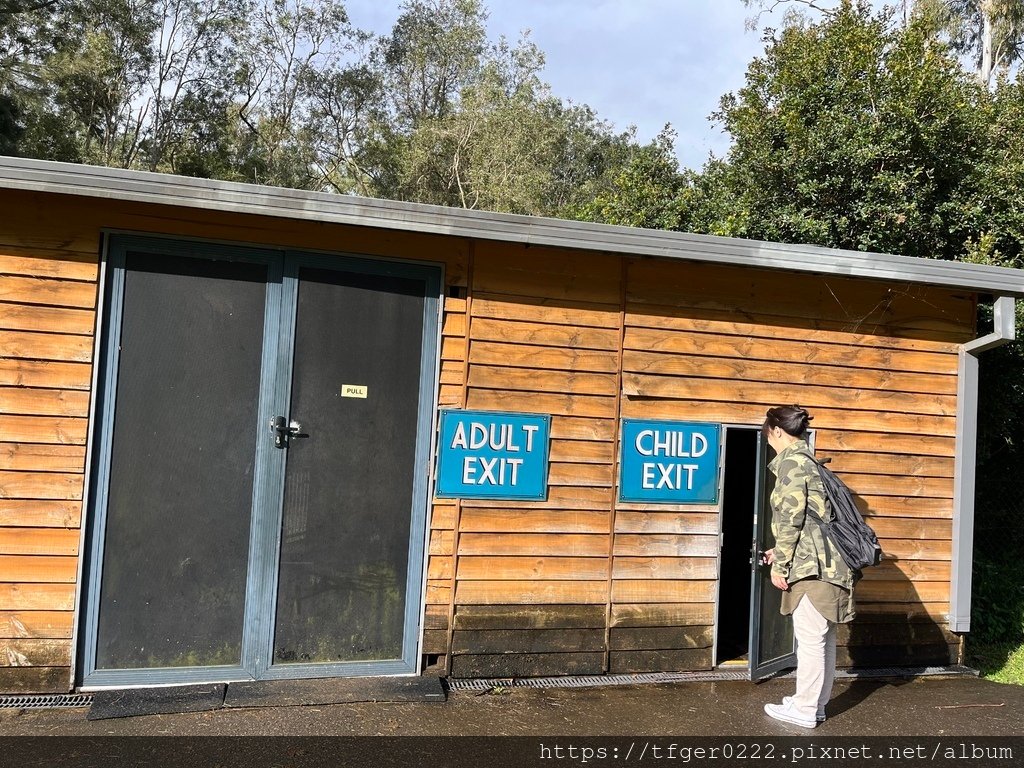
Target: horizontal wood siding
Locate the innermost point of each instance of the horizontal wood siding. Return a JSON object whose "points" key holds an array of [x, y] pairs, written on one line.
{"points": [[48, 292], [588, 340], [577, 583], [532, 582], [875, 364]]}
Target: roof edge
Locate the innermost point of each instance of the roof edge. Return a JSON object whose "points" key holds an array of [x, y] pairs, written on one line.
{"points": [[165, 189]]}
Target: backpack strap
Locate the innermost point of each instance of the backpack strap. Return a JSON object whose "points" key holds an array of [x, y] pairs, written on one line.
{"points": [[822, 523]]}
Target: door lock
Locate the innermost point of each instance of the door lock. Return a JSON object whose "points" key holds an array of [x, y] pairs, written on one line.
{"points": [[283, 430]]}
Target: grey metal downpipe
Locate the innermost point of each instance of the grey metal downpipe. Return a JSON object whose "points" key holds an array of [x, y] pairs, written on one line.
{"points": [[964, 467]]}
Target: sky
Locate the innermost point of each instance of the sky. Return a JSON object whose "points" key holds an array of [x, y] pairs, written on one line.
{"points": [[635, 62]]}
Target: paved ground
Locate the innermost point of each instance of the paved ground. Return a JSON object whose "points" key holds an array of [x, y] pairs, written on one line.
{"points": [[926, 706]]}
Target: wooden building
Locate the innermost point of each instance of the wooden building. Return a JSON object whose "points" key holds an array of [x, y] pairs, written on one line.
{"points": [[166, 342]]}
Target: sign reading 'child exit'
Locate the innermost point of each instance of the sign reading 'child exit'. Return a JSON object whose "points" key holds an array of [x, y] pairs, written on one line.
{"points": [[669, 462], [485, 455]]}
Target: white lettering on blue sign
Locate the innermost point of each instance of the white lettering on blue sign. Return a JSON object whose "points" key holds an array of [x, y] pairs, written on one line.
{"points": [[491, 472], [653, 442], [493, 455], [669, 476], [497, 437], [669, 462]]}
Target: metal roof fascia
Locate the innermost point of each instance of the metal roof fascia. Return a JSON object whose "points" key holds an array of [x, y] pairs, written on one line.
{"points": [[165, 189]]}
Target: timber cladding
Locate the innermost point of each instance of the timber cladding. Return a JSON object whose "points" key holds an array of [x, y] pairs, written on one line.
{"points": [[48, 293], [583, 584], [579, 583]]}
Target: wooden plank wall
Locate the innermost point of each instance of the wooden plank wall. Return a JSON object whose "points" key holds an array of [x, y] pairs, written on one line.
{"points": [[47, 313], [531, 597], [581, 584], [49, 249], [576, 584], [874, 363]]}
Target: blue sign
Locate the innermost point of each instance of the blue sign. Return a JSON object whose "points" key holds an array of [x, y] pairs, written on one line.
{"points": [[669, 462], [485, 455]]}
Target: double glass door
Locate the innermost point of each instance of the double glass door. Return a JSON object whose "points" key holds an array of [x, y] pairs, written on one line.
{"points": [[261, 463]]}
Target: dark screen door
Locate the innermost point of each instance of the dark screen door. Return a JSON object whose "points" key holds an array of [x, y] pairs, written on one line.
{"points": [[772, 645], [348, 491], [261, 463], [179, 499]]}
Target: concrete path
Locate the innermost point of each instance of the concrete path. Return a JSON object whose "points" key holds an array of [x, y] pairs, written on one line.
{"points": [[925, 706]]}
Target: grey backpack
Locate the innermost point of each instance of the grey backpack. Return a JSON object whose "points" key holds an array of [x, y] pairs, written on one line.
{"points": [[845, 528]]}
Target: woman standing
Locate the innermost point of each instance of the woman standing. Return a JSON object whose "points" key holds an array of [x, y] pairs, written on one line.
{"points": [[817, 585]]}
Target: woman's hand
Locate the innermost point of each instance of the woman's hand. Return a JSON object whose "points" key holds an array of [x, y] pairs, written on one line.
{"points": [[768, 557]]}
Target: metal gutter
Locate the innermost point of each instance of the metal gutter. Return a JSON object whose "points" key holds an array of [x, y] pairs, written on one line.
{"points": [[964, 467], [163, 189]]}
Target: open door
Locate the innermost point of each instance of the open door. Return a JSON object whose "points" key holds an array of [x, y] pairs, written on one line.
{"points": [[772, 645]]}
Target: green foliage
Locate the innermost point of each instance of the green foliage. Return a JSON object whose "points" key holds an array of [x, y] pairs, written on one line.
{"points": [[435, 49], [472, 125], [996, 643], [287, 92], [989, 32], [646, 190], [998, 662], [10, 129], [997, 610], [992, 211], [853, 134]]}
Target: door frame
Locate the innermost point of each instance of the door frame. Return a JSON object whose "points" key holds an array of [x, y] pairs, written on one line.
{"points": [[275, 384], [755, 671], [759, 669]]}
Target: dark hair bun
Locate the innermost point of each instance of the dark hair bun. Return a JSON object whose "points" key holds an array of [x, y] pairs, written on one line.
{"points": [[792, 419]]}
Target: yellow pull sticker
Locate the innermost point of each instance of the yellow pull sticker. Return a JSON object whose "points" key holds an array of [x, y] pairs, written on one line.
{"points": [[353, 390]]}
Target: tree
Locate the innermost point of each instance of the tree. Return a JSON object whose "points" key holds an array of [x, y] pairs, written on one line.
{"points": [[647, 190], [855, 134], [291, 47], [989, 32], [190, 85], [469, 124], [434, 51], [485, 147], [98, 77], [287, 92]]}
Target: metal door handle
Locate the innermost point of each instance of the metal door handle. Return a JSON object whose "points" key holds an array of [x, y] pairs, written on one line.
{"points": [[283, 430]]}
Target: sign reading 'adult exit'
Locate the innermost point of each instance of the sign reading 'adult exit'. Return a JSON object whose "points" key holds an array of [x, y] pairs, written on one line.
{"points": [[485, 455], [669, 462]]}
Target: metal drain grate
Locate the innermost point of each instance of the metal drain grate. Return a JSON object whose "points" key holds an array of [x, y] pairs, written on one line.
{"points": [[592, 681], [595, 681], [51, 701]]}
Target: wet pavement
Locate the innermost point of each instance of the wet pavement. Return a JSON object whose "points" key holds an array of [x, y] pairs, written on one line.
{"points": [[960, 706]]}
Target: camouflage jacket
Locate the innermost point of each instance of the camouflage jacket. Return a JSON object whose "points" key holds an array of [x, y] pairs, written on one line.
{"points": [[801, 548]]}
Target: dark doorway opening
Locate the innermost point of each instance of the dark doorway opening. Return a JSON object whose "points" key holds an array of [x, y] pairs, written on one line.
{"points": [[739, 501]]}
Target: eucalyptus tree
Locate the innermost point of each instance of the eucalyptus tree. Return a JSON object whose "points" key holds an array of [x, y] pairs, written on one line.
{"points": [[71, 74], [990, 33], [191, 84], [287, 51]]}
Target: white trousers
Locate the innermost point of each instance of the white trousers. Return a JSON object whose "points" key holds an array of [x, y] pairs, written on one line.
{"points": [[815, 659]]}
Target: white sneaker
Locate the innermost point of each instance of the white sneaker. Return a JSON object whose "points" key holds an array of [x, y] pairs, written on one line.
{"points": [[787, 714], [819, 715]]}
